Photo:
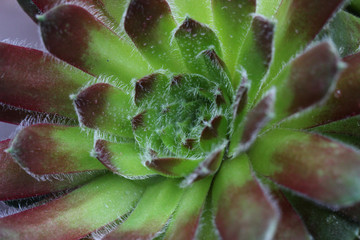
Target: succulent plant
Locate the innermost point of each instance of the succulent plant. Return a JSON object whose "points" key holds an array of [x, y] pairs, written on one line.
{"points": [[183, 119]]}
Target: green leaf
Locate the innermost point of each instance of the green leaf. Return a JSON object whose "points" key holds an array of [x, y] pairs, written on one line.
{"points": [[107, 108], [193, 38], [46, 149], [342, 130], [76, 214], [321, 222], [198, 10], [317, 167], [77, 37], [256, 54], [185, 220], [152, 213], [246, 132], [344, 30], [149, 23], [241, 207], [122, 158], [341, 104], [307, 81], [232, 20], [298, 23], [15, 183], [34, 80]]}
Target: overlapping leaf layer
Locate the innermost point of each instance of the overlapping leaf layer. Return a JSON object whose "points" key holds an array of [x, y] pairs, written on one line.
{"points": [[183, 119]]}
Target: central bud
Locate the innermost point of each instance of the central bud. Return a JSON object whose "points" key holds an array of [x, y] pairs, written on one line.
{"points": [[179, 115]]}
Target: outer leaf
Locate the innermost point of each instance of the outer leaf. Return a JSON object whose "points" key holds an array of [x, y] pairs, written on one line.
{"points": [[15, 115], [107, 108], [37, 81], [345, 130], [343, 103], [173, 167], [45, 149], [256, 53], [299, 21], [98, 8], [75, 215], [193, 38], [307, 81], [267, 8], [322, 223], [313, 165], [290, 225], [198, 10], [241, 208], [207, 229], [122, 158], [149, 24], [152, 213], [75, 36], [232, 20], [344, 30], [185, 220], [16, 183], [116, 9]]}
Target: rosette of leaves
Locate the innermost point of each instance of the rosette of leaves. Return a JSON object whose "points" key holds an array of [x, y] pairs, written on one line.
{"points": [[183, 119]]}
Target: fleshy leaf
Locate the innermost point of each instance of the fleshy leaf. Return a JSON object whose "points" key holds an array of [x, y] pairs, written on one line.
{"points": [[344, 30], [149, 24], [185, 220], [16, 183], [152, 213], [256, 53], [76, 214], [267, 8], [33, 80], [313, 165], [343, 103], [246, 132], [75, 36], [298, 22], [214, 69], [290, 225], [122, 158], [232, 20], [307, 81], [214, 134], [107, 108], [198, 10], [148, 90], [193, 38], [45, 149], [321, 222], [173, 167], [206, 168], [99, 9], [207, 229], [343, 130], [241, 208], [115, 9], [15, 115]]}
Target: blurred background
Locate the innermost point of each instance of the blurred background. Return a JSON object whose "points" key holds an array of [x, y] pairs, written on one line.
{"points": [[16, 25]]}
